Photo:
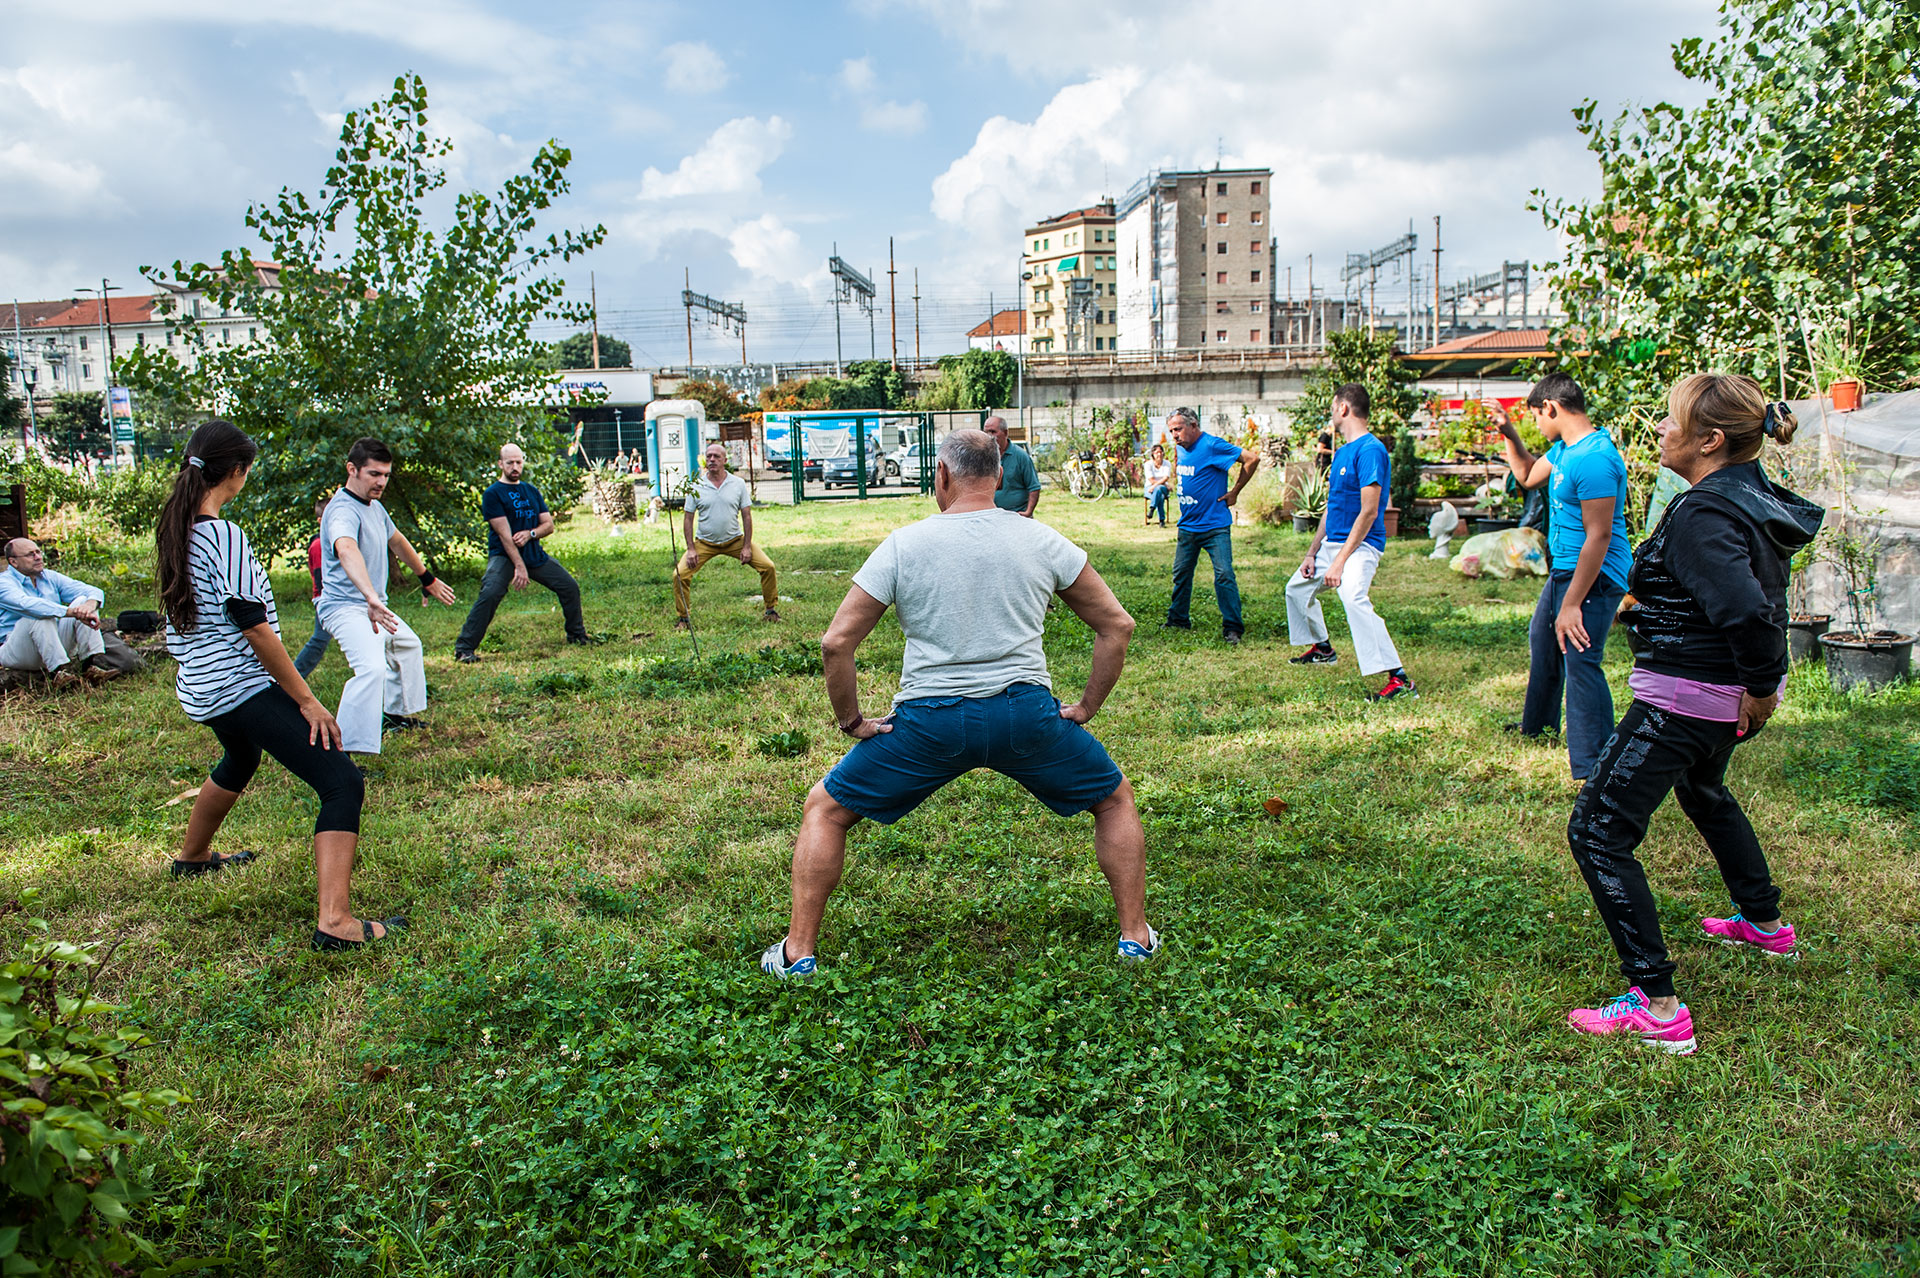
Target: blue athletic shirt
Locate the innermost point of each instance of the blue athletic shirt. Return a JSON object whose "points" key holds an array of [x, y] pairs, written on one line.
{"points": [[1362, 462], [1203, 482], [1587, 471], [521, 506]]}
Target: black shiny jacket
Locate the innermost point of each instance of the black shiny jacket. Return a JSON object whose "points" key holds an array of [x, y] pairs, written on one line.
{"points": [[1710, 585]]}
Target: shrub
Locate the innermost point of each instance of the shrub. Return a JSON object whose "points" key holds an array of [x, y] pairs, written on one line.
{"points": [[47, 486], [67, 1116], [132, 497], [560, 482]]}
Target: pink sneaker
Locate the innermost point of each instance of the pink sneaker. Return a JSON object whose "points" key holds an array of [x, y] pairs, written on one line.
{"points": [[1628, 1014], [1737, 931]]}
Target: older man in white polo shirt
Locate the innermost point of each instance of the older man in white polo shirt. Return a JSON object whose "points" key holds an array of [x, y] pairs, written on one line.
{"points": [[725, 513]]}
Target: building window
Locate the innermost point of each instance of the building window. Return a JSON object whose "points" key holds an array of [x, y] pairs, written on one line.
{"points": [[1219, 219], [1256, 277], [139, 339], [1219, 277], [226, 336], [1254, 335], [1256, 217], [253, 334], [1254, 306], [1256, 247], [169, 338], [1220, 336], [86, 371], [1221, 308], [1256, 188], [1220, 247], [1220, 188], [83, 341]]}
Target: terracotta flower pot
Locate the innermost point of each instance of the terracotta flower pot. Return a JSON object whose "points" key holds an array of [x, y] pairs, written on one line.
{"points": [[1393, 521], [1845, 394]]}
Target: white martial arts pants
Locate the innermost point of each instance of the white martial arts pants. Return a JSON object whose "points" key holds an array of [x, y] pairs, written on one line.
{"points": [[389, 674], [1372, 646], [49, 643]]}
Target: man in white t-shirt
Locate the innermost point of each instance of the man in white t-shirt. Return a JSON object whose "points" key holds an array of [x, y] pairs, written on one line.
{"points": [[725, 527], [970, 588], [389, 683]]}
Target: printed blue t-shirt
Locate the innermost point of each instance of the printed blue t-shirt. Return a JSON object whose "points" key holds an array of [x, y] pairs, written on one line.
{"points": [[1587, 471], [521, 506], [1357, 464], [1203, 482]]}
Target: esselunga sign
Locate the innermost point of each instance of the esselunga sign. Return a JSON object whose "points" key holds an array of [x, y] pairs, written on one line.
{"points": [[603, 386]]}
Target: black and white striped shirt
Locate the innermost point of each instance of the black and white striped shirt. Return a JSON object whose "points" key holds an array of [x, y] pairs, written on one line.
{"points": [[218, 669]]}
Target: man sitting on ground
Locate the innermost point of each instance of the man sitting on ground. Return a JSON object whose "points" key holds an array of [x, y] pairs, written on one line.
{"points": [[49, 621], [725, 513], [517, 522], [970, 587]]}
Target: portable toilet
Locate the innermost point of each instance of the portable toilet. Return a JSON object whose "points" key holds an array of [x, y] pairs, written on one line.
{"points": [[676, 432]]}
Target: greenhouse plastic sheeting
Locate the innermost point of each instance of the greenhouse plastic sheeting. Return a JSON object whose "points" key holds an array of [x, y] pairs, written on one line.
{"points": [[1878, 448]]}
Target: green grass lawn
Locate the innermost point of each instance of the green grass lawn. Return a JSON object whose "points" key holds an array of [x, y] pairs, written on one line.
{"points": [[1352, 1058]]}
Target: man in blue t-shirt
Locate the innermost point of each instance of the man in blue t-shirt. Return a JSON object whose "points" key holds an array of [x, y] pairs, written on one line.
{"points": [[1345, 553], [1206, 519], [1586, 483], [517, 522]]}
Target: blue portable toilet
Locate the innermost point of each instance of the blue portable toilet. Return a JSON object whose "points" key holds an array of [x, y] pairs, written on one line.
{"points": [[676, 432]]}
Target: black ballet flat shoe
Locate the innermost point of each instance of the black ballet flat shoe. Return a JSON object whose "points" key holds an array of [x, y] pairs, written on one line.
{"points": [[212, 865], [326, 941]]}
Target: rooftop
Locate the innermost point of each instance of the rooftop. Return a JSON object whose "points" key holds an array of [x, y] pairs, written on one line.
{"points": [[85, 313], [1007, 323], [1482, 353], [1102, 210]]}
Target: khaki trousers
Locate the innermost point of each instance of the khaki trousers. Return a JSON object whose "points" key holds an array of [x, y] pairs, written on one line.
{"points": [[705, 550]]}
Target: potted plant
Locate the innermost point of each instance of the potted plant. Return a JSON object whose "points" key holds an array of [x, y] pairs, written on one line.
{"points": [[1863, 654], [1838, 361], [1805, 628], [1405, 486], [1310, 502], [1495, 519]]}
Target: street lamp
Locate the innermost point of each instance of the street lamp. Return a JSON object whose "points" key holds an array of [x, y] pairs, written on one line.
{"points": [[106, 359], [1020, 351]]}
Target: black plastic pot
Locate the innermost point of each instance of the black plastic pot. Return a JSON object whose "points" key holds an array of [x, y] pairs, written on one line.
{"points": [[1305, 523], [1494, 525], [1803, 636], [1870, 660]]}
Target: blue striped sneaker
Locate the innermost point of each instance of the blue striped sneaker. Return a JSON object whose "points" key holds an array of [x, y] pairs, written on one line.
{"points": [[1134, 952], [774, 963]]}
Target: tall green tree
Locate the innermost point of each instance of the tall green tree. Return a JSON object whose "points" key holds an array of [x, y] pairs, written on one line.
{"points": [[13, 409], [76, 426], [382, 323], [1358, 355], [1772, 230], [576, 351]]}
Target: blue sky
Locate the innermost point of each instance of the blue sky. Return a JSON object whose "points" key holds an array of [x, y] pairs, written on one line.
{"points": [[741, 141]]}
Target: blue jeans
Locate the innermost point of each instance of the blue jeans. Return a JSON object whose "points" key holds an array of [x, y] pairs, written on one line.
{"points": [[1577, 674], [1157, 506], [316, 648], [1218, 543]]}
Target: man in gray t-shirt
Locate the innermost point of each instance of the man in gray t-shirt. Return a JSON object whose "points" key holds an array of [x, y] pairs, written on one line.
{"points": [[724, 511], [970, 588], [357, 538]]}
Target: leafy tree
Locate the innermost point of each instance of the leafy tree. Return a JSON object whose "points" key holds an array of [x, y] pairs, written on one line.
{"points": [[719, 401], [880, 382], [1356, 355], [869, 383], [388, 326], [1785, 202], [13, 409], [978, 379], [577, 352], [76, 426]]}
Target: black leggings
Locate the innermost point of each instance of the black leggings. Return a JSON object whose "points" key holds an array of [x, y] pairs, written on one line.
{"points": [[1650, 753], [271, 721]]}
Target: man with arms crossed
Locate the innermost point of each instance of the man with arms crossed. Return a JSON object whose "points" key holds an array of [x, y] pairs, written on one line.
{"points": [[517, 522], [389, 683], [1586, 483], [970, 587], [1019, 489], [1346, 552], [48, 620], [1206, 519], [725, 511]]}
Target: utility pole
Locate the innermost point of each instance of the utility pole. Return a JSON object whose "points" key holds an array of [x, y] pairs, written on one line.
{"points": [[593, 293], [916, 315], [1410, 261], [893, 307], [1310, 306], [725, 314], [1435, 333], [686, 302], [19, 355]]}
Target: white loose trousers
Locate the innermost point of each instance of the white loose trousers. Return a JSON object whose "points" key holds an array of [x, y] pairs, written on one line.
{"points": [[389, 674], [49, 643], [1372, 645]]}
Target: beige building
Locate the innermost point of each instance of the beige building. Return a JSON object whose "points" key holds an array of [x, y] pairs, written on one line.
{"points": [[1070, 272], [1195, 261]]}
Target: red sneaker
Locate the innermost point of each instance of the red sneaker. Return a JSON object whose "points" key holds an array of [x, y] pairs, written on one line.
{"points": [[1397, 687]]}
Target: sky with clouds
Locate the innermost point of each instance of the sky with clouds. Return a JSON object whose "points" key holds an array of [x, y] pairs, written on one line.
{"points": [[742, 142]]}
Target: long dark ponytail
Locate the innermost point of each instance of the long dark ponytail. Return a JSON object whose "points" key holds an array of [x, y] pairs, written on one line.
{"points": [[214, 452]]}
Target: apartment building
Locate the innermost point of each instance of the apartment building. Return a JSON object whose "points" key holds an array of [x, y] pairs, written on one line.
{"points": [[1195, 265], [1069, 269]]}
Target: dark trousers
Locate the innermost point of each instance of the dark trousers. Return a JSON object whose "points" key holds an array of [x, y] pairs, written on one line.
{"points": [[1218, 543], [493, 588], [271, 721], [315, 648], [1577, 674], [1650, 753]]}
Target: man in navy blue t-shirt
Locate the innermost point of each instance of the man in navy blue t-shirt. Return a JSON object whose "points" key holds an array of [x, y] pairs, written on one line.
{"points": [[1345, 552], [1206, 519], [517, 521]]}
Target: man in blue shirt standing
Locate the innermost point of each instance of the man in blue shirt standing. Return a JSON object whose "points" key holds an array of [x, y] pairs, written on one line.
{"points": [[1206, 519], [1586, 481], [1346, 551], [517, 521], [48, 619]]}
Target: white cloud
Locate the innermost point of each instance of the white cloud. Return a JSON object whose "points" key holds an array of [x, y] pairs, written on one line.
{"points": [[769, 248], [727, 163], [856, 75], [693, 67], [903, 118]]}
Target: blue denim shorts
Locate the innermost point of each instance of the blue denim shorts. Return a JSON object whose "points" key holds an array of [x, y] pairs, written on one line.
{"points": [[1018, 733]]}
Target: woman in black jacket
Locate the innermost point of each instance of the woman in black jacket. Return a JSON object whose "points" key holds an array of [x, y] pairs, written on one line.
{"points": [[1708, 629]]}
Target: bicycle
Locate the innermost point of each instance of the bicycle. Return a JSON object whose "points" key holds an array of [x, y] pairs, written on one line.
{"points": [[1090, 478]]}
